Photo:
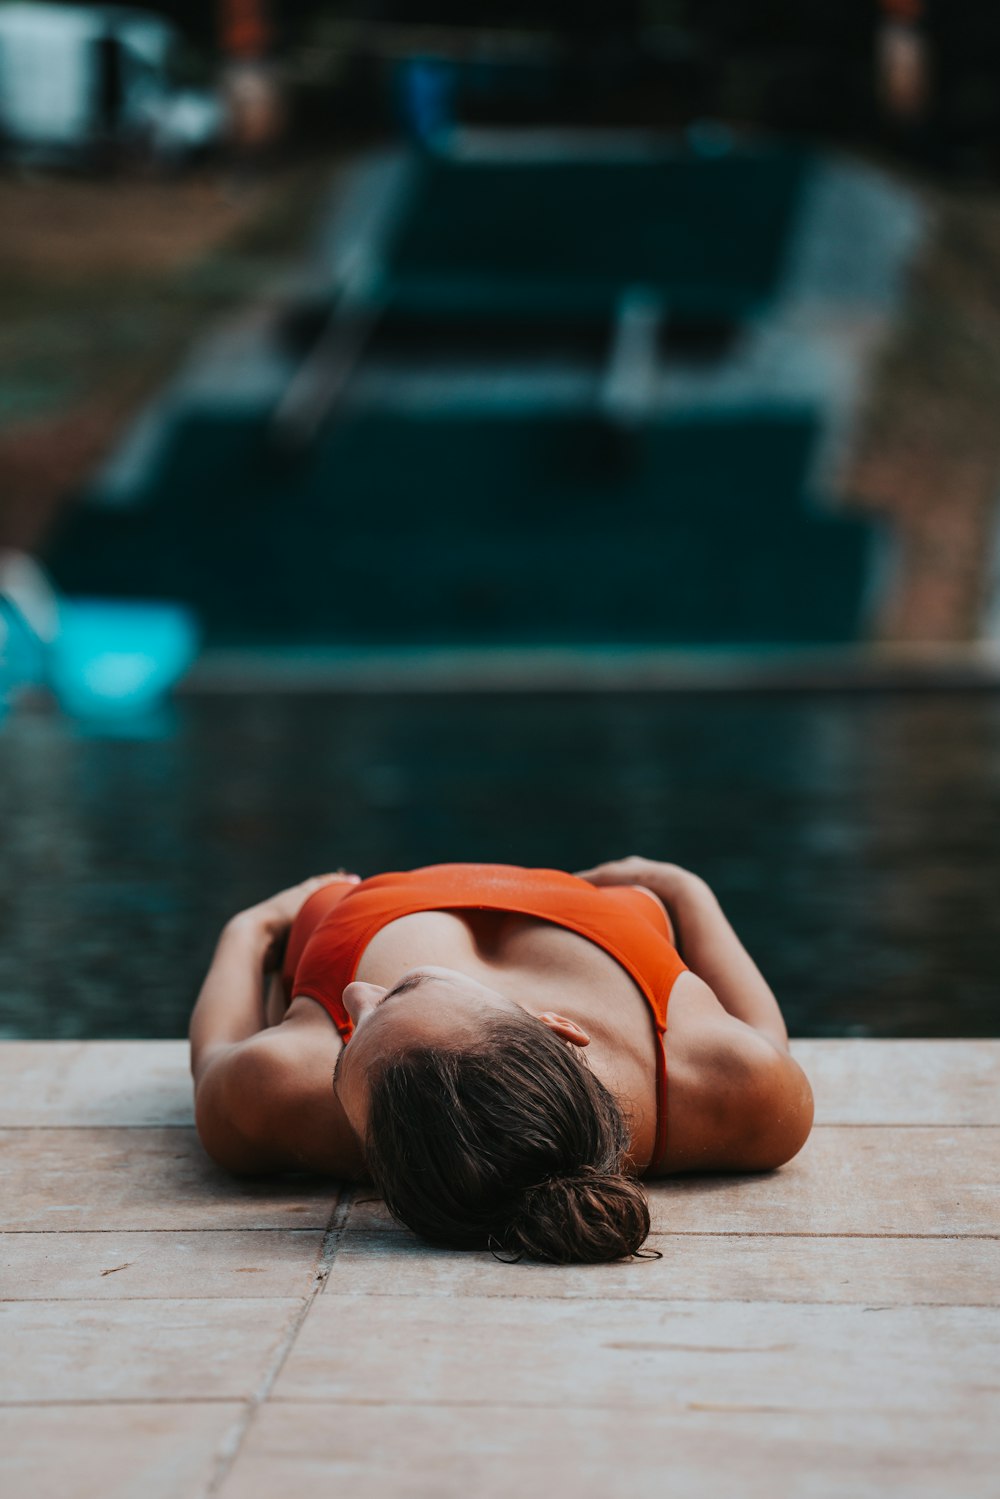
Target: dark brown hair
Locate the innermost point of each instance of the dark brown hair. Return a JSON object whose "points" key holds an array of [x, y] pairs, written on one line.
{"points": [[511, 1144]]}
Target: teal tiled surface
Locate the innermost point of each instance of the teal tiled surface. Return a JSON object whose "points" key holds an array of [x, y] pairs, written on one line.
{"points": [[486, 527]]}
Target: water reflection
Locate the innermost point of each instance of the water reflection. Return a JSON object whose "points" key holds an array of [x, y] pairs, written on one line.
{"points": [[853, 840]]}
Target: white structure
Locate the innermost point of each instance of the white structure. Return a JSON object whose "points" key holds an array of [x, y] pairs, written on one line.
{"points": [[71, 76]]}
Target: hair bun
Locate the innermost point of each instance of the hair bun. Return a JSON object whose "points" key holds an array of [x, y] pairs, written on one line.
{"points": [[586, 1216]]}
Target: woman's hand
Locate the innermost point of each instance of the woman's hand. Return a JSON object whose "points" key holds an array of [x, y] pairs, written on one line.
{"points": [[705, 940], [273, 917], [665, 880]]}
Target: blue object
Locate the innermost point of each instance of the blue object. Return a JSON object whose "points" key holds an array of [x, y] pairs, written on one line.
{"points": [[21, 653], [425, 97], [115, 657]]}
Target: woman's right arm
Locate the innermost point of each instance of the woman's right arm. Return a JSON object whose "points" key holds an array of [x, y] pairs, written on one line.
{"points": [[263, 1098], [705, 940]]}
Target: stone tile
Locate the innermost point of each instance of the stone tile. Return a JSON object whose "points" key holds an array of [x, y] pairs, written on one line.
{"points": [[723, 1267], [903, 1082], [112, 1452], [115, 1179], [850, 1179], [94, 1082], [116, 1266], [368, 1214], [59, 1083], [503, 1452], [139, 1350], [846, 1180], [663, 1355]]}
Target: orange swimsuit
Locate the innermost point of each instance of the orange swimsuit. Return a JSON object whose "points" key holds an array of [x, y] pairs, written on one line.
{"points": [[336, 924]]}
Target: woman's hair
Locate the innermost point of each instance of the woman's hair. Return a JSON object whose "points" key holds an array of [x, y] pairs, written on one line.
{"points": [[512, 1145]]}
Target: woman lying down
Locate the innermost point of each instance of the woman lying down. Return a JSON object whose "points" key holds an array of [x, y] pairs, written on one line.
{"points": [[504, 1052]]}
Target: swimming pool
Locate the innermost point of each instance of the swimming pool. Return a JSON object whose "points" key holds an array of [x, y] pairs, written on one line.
{"points": [[854, 839]]}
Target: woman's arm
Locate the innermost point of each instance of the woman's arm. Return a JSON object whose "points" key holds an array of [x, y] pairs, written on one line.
{"points": [[748, 1105], [705, 940], [263, 1100], [231, 1004]]}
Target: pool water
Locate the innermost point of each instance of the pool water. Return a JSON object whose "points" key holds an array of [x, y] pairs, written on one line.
{"points": [[853, 839]]}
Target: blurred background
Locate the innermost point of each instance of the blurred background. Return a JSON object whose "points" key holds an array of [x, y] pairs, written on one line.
{"points": [[531, 434]]}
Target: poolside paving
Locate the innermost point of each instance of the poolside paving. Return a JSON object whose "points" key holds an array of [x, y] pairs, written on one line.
{"points": [[830, 1328]]}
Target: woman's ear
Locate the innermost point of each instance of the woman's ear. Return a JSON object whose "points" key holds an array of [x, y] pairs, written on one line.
{"points": [[565, 1029]]}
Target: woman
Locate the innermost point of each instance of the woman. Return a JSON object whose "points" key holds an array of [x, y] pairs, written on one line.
{"points": [[511, 1069]]}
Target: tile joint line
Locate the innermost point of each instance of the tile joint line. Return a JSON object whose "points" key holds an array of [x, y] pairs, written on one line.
{"points": [[232, 1443]]}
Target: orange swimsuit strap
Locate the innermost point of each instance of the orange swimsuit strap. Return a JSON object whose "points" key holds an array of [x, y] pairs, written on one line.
{"points": [[337, 923]]}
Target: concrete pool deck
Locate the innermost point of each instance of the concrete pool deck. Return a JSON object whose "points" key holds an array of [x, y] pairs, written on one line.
{"points": [[169, 1331]]}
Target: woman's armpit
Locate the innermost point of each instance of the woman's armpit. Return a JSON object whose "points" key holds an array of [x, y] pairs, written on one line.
{"points": [[315, 911], [644, 890]]}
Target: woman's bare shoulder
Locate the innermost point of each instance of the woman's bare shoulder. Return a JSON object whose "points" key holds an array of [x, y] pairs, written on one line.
{"points": [[267, 1104], [735, 1100]]}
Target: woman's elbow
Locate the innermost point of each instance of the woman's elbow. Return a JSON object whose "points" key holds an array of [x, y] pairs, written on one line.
{"points": [[791, 1116], [229, 1124]]}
